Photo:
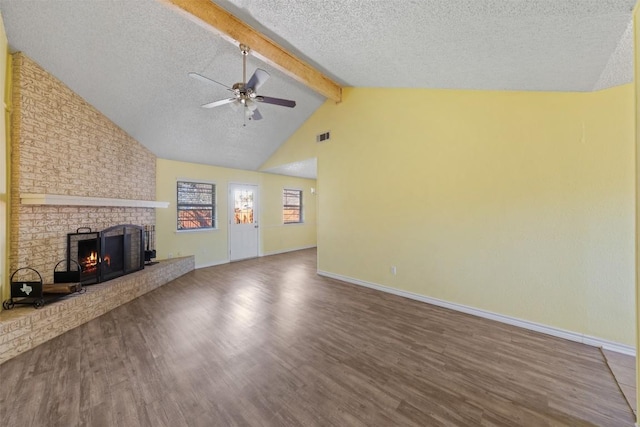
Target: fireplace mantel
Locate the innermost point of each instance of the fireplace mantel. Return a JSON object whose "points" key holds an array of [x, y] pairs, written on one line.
{"points": [[63, 200]]}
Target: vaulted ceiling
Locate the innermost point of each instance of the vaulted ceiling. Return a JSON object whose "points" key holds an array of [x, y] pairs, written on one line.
{"points": [[131, 59]]}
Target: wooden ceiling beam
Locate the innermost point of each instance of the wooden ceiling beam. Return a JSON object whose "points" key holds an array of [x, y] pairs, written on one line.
{"points": [[212, 16]]}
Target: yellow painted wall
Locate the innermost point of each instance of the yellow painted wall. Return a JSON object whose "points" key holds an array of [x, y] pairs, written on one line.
{"points": [[4, 166], [276, 236], [637, 130], [211, 247], [519, 203]]}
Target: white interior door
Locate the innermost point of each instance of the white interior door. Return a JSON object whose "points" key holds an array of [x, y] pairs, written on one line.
{"points": [[243, 221]]}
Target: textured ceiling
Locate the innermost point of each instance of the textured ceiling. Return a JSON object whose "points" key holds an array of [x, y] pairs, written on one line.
{"points": [[130, 59], [304, 169], [546, 45]]}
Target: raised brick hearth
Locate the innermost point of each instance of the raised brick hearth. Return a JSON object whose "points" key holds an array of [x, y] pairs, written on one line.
{"points": [[24, 327]]}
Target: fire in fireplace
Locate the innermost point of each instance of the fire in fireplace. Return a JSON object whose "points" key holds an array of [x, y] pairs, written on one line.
{"points": [[83, 247], [108, 254], [88, 255]]}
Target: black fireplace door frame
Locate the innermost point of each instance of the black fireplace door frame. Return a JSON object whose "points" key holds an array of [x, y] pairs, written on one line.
{"points": [[133, 243]]}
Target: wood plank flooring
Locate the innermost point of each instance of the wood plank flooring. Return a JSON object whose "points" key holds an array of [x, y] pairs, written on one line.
{"points": [[267, 342], [623, 368]]}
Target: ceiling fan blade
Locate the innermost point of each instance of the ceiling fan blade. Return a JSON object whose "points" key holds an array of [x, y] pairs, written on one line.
{"points": [[219, 103], [276, 101], [259, 77], [256, 115], [208, 80]]}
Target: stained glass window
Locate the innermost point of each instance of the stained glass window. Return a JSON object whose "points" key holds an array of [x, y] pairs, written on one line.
{"points": [[243, 206]]}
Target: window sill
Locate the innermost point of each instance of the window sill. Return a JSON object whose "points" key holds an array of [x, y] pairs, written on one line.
{"points": [[197, 230]]}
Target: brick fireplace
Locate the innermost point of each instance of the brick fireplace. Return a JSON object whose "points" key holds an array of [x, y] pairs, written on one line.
{"points": [[64, 150], [61, 145]]}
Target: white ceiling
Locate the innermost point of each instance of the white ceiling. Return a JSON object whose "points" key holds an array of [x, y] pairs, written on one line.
{"points": [[304, 169], [130, 59]]}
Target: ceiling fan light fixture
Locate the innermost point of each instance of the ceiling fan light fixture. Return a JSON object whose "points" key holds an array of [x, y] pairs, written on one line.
{"points": [[244, 92]]}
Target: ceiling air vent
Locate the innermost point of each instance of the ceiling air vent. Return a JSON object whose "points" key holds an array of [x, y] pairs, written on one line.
{"points": [[323, 137]]}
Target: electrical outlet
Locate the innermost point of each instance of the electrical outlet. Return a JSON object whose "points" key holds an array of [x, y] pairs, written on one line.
{"points": [[393, 270], [170, 254]]}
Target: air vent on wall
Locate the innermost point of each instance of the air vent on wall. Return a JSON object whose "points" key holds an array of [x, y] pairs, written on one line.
{"points": [[323, 137]]}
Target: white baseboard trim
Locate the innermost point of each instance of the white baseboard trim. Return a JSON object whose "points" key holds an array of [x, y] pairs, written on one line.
{"points": [[212, 264], [533, 326], [287, 250]]}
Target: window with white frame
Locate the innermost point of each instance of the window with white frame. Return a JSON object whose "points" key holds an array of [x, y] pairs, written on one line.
{"points": [[291, 206], [196, 205]]}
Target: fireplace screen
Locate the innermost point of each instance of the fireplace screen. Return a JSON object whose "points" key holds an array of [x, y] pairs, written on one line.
{"points": [[111, 253], [122, 251]]}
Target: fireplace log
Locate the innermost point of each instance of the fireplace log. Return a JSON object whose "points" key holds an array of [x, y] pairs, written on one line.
{"points": [[61, 288]]}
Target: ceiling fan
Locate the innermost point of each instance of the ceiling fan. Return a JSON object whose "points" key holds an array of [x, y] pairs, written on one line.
{"points": [[245, 93]]}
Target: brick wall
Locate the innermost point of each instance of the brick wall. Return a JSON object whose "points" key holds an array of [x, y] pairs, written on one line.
{"points": [[62, 145]]}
